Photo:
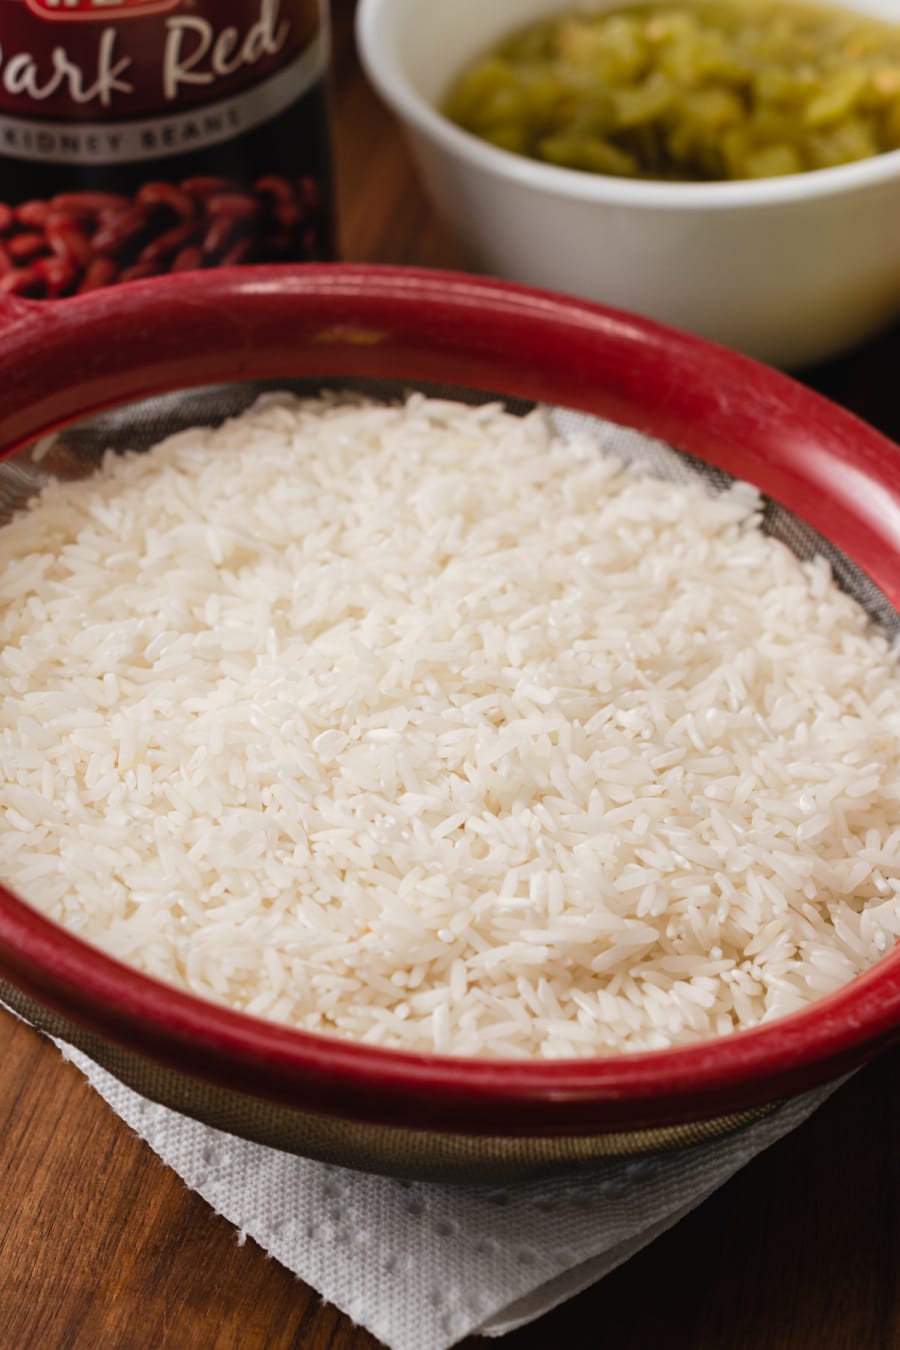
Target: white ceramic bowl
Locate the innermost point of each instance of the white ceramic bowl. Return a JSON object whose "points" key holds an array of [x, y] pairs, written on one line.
{"points": [[792, 270]]}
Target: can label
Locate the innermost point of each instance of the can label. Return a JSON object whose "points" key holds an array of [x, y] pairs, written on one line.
{"points": [[143, 136], [97, 9]]}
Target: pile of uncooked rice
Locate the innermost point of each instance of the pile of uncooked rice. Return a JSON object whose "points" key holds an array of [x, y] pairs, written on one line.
{"points": [[420, 726]]}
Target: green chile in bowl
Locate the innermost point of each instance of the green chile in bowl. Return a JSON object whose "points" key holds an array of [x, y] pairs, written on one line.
{"points": [[791, 269], [694, 92]]}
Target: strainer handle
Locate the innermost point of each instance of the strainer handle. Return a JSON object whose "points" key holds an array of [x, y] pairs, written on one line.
{"points": [[14, 312], [41, 357], [20, 321]]}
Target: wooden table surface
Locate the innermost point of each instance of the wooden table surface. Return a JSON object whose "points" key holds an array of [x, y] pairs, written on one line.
{"points": [[101, 1246]]}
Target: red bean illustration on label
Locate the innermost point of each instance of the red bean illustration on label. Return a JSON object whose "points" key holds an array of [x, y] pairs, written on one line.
{"points": [[146, 136]]}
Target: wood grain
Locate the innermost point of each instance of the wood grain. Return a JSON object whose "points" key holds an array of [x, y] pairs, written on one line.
{"points": [[102, 1246]]}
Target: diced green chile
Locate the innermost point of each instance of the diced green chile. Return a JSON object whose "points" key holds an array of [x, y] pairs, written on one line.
{"points": [[716, 89]]}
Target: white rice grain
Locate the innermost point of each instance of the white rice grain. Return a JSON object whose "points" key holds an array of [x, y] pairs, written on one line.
{"points": [[420, 726]]}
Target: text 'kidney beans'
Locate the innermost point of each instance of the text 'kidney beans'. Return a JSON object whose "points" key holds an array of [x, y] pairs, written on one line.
{"points": [[166, 138]]}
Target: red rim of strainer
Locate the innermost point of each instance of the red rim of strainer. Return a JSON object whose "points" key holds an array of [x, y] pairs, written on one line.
{"points": [[63, 360]]}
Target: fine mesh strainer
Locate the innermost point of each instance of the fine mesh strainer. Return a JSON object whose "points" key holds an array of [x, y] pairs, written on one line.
{"points": [[123, 368]]}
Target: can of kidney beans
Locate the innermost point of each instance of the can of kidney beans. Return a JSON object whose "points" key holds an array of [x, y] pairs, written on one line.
{"points": [[146, 136]]}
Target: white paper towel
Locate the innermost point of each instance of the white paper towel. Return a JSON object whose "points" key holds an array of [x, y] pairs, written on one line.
{"points": [[423, 1265]]}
